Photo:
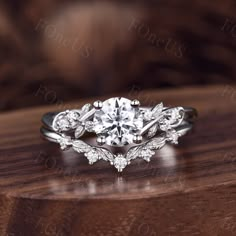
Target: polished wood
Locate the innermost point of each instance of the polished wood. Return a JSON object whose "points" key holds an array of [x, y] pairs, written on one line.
{"points": [[188, 189]]}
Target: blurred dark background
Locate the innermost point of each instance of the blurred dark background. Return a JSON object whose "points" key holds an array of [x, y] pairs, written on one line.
{"points": [[54, 51]]}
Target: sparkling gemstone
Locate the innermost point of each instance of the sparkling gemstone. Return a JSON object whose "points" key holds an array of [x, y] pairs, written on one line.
{"points": [[118, 121], [148, 115], [172, 114], [92, 156], [89, 125], [73, 117], [63, 124], [171, 117], [64, 142], [146, 154], [120, 162], [173, 136]]}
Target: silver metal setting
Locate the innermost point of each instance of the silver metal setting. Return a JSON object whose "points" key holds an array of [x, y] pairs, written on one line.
{"points": [[135, 103], [118, 122], [97, 104]]}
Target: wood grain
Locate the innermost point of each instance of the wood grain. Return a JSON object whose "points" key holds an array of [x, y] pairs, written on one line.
{"points": [[189, 189]]}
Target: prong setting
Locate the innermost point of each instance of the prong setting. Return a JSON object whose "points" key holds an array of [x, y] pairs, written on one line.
{"points": [[118, 121], [101, 140], [98, 104], [135, 103], [137, 138]]}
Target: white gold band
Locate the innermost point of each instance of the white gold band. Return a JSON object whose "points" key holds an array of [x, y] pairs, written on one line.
{"points": [[118, 122]]}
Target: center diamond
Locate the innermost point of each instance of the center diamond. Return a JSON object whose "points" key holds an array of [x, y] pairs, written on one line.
{"points": [[118, 121]]}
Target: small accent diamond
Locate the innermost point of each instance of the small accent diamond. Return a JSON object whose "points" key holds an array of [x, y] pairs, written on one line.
{"points": [[146, 154], [92, 156], [153, 113], [64, 142], [63, 124], [73, 118], [171, 118], [89, 125], [172, 136], [120, 162], [66, 121], [164, 124], [148, 115]]}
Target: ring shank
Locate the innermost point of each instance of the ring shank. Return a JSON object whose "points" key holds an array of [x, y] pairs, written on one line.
{"points": [[54, 137]]}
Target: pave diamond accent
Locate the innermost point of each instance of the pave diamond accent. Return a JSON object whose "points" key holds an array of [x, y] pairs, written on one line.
{"points": [[118, 121]]}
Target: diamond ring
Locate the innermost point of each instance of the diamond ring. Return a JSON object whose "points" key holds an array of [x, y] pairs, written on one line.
{"points": [[118, 124]]}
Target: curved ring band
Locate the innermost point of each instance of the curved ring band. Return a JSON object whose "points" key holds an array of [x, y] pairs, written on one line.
{"points": [[118, 122]]}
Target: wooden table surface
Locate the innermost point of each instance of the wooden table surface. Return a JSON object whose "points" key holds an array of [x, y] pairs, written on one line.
{"points": [[189, 189]]}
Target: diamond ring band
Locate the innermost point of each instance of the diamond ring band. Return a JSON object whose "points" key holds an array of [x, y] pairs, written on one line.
{"points": [[118, 123]]}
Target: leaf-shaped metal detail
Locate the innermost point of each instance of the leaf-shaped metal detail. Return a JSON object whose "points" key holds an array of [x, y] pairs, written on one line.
{"points": [[81, 147], [86, 108], [105, 154], [79, 131], [133, 152], [92, 153], [65, 121], [156, 143], [152, 131], [154, 113], [145, 150], [157, 110], [60, 123], [120, 161], [172, 117]]}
